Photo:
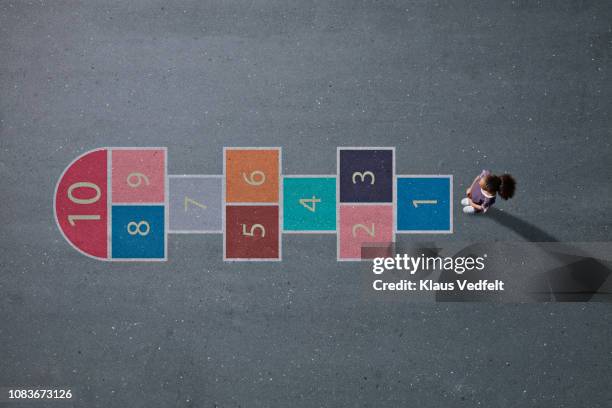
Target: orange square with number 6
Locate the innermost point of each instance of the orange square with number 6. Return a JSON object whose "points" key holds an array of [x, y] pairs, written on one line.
{"points": [[252, 175]]}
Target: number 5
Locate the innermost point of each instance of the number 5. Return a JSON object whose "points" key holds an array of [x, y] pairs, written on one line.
{"points": [[253, 228]]}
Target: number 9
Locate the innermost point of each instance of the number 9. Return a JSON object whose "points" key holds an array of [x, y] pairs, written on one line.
{"points": [[139, 178]]}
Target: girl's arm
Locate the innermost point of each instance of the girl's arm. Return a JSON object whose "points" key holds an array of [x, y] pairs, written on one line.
{"points": [[472, 185]]}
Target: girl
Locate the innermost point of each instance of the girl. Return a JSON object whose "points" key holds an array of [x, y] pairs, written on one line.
{"points": [[481, 194]]}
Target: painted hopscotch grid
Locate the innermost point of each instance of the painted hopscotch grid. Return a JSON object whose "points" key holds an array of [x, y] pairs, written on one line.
{"points": [[316, 176], [339, 201], [225, 204], [119, 204], [278, 203], [200, 176], [424, 176]]}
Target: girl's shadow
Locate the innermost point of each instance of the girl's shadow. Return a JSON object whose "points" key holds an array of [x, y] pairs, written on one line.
{"points": [[580, 277]]}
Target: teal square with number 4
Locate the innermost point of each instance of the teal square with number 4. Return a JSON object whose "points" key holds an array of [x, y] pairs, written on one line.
{"points": [[309, 204]]}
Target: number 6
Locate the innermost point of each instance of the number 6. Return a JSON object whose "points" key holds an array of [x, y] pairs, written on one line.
{"points": [[251, 180]]}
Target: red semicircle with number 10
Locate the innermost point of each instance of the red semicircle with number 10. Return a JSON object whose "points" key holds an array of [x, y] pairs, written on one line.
{"points": [[81, 203]]}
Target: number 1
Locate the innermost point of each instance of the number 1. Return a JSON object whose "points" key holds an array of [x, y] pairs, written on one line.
{"points": [[73, 218]]}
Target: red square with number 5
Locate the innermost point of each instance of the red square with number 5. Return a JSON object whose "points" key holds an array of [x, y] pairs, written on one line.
{"points": [[138, 175], [251, 232]]}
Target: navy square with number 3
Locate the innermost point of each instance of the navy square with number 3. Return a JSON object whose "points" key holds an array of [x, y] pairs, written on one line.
{"points": [[366, 176]]}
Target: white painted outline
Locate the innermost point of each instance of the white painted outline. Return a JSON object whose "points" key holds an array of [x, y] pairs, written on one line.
{"points": [[60, 178], [109, 204], [278, 203], [451, 194], [109, 150], [204, 176], [339, 203], [307, 232]]}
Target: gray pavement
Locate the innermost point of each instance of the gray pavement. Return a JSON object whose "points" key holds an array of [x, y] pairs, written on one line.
{"points": [[457, 86]]}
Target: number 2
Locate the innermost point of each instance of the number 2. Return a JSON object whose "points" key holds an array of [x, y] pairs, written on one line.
{"points": [[369, 231]]}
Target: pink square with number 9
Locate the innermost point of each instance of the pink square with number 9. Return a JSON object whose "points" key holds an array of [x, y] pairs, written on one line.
{"points": [[138, 175], [362, 225]]}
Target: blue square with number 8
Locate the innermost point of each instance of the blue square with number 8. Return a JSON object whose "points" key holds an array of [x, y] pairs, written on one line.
{"points": [[309, 204], [138, 232]]}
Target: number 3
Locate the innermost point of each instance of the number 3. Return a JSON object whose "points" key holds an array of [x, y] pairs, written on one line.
{"points": [[363, 176], [253, 228]]}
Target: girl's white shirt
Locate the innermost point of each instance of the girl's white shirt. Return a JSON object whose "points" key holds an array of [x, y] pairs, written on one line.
{"points": [[484, 193]]}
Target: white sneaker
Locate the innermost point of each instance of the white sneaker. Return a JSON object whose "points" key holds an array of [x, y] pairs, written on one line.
{"points": [[465, 201], [468, 210]]}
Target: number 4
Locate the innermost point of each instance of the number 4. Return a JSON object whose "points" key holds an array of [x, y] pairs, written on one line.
{"points": [[314, 200]]}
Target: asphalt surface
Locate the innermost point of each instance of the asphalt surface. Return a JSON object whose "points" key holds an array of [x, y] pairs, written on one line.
{"points": [[519, 86]]}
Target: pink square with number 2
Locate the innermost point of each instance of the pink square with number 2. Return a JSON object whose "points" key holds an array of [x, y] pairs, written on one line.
{"points": [[138, 176], [363, 224]]}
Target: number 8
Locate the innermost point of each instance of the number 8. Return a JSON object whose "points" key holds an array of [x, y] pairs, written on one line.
{"points": [[134, 228]]}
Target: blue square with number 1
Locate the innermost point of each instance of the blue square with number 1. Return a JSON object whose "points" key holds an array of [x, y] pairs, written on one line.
{"points": [[138, 232], [423, 204]]}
